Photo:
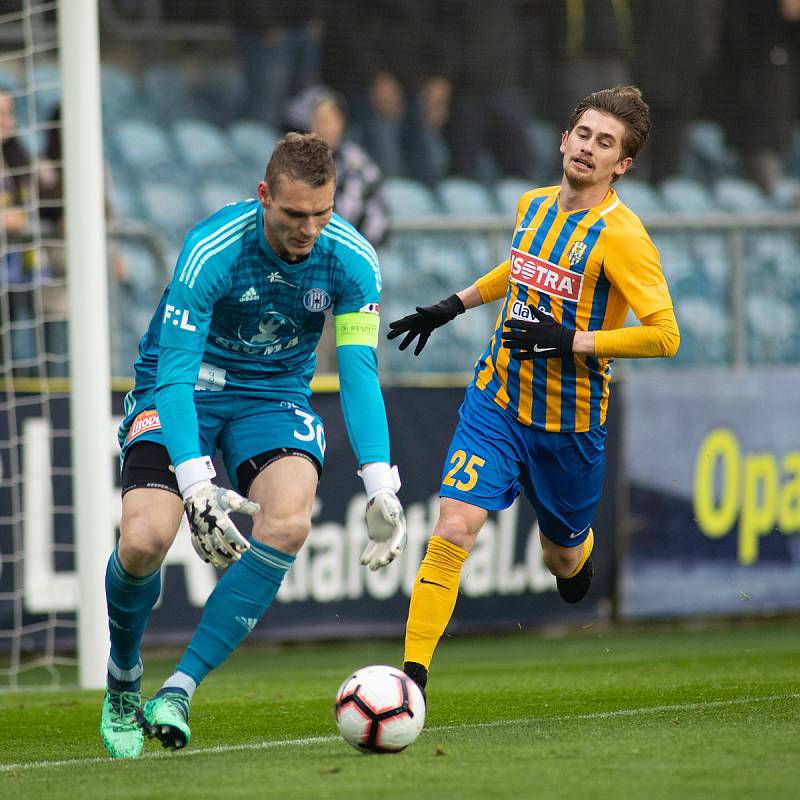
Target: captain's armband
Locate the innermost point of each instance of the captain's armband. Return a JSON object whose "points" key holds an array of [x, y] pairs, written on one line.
{"points": [[359, 327]]}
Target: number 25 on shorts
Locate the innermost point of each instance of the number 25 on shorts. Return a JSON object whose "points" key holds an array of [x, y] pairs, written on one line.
{"points": [[468, 468]]}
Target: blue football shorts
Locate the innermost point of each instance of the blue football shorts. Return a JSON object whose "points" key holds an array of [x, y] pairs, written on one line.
{"points": [[240, 426], [492, 457]]}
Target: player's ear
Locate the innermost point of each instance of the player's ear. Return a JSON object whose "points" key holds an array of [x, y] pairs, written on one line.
{"points": [[563, 146], [623, 166], [263, 194]]}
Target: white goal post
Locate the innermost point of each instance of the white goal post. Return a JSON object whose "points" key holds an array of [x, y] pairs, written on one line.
{"points": [[90, 401]]}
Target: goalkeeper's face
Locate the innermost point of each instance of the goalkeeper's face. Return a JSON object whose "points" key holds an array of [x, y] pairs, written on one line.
{"points": [[294, 215]]}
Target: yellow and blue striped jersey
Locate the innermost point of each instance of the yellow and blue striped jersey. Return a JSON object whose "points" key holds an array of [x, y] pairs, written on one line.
{"points": [[586, 268]]}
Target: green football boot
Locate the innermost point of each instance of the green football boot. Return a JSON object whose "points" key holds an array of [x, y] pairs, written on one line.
{"points": [[119, 729], [166, 716]]}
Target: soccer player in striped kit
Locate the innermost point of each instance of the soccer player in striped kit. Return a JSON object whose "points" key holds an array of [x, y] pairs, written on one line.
{"points": [[533, 418], [226, 364]]}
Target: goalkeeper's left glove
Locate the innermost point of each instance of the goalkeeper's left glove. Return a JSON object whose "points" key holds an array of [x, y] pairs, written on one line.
{"points": [[386, 522], [214, 537], [541, 337]]}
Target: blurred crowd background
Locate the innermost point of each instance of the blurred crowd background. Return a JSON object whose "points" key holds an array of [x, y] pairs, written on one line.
{"points": [[441, 114]]}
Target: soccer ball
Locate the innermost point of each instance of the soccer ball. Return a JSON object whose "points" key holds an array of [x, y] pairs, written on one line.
{"points": [[379, 710]]}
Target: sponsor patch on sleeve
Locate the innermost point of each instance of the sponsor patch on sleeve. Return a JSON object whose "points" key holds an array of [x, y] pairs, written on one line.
{"points": [[370, 308], [145, 422]]}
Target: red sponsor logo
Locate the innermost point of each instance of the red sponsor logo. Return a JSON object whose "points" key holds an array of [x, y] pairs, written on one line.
{"points": [[144, 423], [545, 277]]}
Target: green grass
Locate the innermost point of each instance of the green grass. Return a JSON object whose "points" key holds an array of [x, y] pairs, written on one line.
{"points": [[655, 713]]}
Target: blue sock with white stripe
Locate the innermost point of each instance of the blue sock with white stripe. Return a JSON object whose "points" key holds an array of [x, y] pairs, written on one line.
{"points": [[232, 610], [129, 600]]}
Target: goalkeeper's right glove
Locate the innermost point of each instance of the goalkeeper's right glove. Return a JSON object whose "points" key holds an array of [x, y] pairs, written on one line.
{"points": [[425, 322], [214, 537]]}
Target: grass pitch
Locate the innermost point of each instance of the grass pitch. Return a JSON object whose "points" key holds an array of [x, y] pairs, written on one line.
{"points": [[654, 713]]}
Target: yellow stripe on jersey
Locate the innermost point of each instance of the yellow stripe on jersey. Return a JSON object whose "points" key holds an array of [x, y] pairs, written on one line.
{"points": [[586, 268]]}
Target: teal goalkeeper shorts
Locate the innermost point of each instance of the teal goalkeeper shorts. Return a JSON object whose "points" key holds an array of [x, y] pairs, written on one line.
{"points": [[241, 427], [493, 457]]}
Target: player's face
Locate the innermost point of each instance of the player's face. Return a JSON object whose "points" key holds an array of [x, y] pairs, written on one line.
{"points": [[593, 150], [294, 215]]}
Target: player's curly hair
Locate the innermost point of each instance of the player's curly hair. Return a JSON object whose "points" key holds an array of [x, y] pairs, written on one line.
{"points": [[302, 157], [625, 103]]}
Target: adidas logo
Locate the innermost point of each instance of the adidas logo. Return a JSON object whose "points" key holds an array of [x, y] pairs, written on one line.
{"points": [[250, 294], [248, 623]]}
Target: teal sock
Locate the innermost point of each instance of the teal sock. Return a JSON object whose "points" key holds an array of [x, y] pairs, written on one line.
{"points": [[232, 610], [129, 600]]}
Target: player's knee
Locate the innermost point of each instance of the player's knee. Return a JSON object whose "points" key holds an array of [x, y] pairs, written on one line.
{"points": [[287, 533], [142, 546], [457, 531], [562, 561]]}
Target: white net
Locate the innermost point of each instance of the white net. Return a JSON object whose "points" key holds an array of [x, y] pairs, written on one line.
{"points": [[36, 550]]}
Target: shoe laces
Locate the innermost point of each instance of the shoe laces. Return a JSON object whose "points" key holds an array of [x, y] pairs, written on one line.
{"points": [[124, 703]]}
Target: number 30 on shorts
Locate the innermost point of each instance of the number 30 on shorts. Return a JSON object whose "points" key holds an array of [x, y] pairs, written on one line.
{"points": [[467, 467], [313, 430]]}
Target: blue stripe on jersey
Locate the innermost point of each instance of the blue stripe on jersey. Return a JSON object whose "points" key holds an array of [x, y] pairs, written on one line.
{"points": [[568, 311], [347, 230], [492, 351], [211, 240], [539, 367], [357, 245], [529, 214], [235, 237], [599, 303]]}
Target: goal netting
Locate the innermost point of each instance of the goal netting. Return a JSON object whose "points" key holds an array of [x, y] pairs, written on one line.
{"points": [[40, 377]]}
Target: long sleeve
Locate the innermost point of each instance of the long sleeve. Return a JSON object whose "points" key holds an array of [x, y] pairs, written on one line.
{"points": [[494, 285], [362, 403], [657, 337]]}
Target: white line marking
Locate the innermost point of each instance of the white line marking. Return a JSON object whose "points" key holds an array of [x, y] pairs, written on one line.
{"points": [[499, 723]]}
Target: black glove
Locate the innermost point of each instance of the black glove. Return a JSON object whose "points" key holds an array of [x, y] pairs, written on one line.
{"points": [[425, 322], [541, 337]]}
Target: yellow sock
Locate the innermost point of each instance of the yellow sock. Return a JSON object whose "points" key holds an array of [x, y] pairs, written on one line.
{"points": [[588, 544], [433, 599]]}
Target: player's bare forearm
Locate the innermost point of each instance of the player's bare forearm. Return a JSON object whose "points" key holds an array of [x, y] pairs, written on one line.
{"points": [[470, 297], [583, 343]]}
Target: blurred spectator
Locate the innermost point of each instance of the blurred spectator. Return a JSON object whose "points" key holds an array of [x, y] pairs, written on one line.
{"points": [[759, 61], [16, 260], [488, 111], [358, 194], [386, 57], [677, 44], [54, 292], [583, 45], [279, 45]]}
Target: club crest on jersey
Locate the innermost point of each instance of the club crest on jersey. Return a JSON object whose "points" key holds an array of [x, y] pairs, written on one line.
{"points": [[316, 300], [576, 253], [545, 277]]}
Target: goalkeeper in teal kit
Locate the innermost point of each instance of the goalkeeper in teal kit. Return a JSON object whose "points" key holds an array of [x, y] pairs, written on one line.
{"points": [[226, 365]]}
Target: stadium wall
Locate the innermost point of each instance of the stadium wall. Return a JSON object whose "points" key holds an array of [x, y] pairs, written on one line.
{"points": [[327, 594], [713, 470]]}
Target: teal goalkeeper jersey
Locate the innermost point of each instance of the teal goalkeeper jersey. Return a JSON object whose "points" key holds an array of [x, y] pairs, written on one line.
{"points": [[237, 317]]}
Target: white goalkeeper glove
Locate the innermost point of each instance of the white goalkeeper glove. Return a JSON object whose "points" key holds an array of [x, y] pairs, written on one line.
{"points": [[214, 537], [386, 523]]}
